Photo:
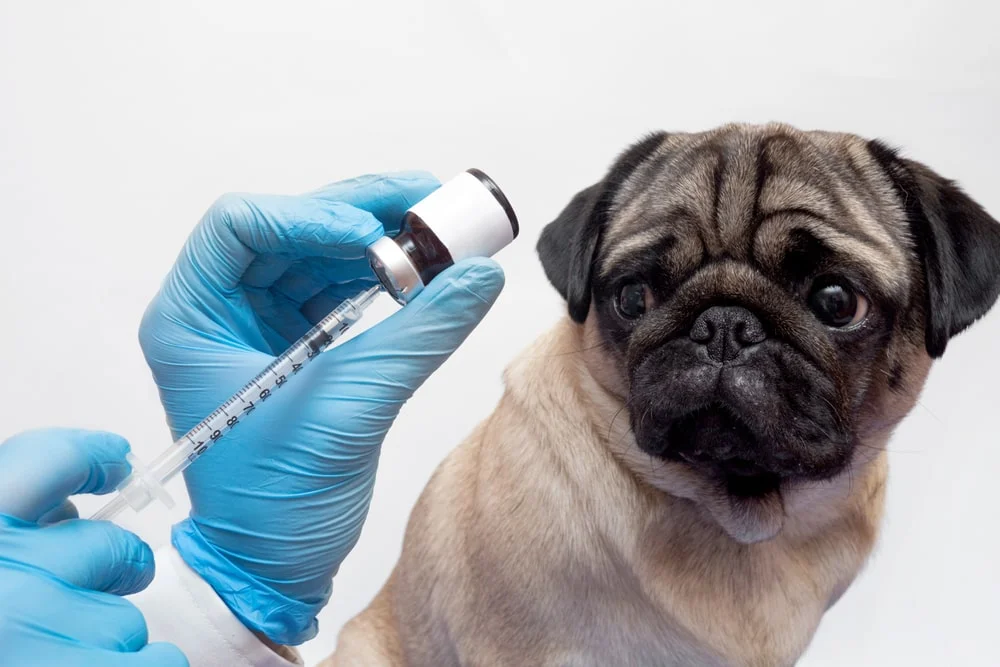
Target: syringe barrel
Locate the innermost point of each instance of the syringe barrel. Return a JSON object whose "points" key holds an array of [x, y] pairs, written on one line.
{"points": [[198, 440], [144, 484], [166, 466]]}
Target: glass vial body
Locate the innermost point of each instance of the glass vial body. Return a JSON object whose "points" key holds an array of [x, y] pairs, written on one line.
{"points": [[468, 216], [422, 247]]}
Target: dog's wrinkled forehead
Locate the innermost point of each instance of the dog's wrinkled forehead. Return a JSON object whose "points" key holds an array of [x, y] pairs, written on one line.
{"points": [[741, 192]]}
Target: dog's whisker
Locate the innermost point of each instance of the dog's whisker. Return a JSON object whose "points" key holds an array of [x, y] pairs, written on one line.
{"points": [[625, 405], [915, 395]]}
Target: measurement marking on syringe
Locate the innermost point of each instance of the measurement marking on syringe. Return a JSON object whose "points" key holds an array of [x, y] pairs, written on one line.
{"points": [[220, 423]]}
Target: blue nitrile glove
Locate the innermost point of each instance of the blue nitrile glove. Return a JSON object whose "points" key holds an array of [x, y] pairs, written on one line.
{"points": [[60, 577], [280, 501]]}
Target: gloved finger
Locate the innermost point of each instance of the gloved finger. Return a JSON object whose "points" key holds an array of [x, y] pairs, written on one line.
{"points": [[320, 305], [308, 277], [40, 469], [89, 618], [276, 344], [95, 555], [389, 361], [280, 315], [270, 270], [122, 626], [278, 307], [66, 511], [265, 270], [157, 654], [240, 228], [386, 196]]}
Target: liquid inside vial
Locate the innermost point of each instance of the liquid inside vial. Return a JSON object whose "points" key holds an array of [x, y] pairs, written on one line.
{"points": [[423, 247]]}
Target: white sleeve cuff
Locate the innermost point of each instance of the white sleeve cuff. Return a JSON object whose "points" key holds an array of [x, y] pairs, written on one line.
{"points": [[181, 608]]}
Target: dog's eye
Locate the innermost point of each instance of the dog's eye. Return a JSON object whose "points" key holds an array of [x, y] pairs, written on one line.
{"points": [[837, 305], [632, 300]]}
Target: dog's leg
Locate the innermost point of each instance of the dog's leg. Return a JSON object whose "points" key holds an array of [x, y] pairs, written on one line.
{"points": [[371, 639]]}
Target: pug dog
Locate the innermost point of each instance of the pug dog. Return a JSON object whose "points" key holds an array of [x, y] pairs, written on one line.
{"points": [[690, 469]]}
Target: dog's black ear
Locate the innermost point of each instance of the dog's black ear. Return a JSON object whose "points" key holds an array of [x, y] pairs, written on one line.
{"points": [[568, 244], [958, 243]]}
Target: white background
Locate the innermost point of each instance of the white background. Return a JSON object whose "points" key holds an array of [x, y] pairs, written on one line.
{"points": [[120, 122]]}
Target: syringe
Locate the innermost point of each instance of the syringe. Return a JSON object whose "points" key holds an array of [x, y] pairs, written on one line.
{"points": [[146, 483]]}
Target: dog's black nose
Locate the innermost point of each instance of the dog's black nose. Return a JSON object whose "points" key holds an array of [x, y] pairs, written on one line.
{"points": [[726, 330]]}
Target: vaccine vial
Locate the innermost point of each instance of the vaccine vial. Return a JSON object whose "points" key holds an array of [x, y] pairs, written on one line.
{"points": [[468, 216]]}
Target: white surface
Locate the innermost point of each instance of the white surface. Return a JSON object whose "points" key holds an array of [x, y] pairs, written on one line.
{"points": [[120, 122], [450, 211]]}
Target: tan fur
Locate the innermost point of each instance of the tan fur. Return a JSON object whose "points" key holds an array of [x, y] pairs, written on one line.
{"points": [[543, 540]]}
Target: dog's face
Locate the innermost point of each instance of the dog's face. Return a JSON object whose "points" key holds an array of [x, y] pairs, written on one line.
{"points": [[768, 301]]}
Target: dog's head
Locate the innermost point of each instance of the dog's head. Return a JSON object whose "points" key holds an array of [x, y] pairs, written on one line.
{"points": [[768, 301]]}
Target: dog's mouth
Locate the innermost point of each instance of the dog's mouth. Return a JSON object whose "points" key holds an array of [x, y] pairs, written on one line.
{"points": [[721, 447]]}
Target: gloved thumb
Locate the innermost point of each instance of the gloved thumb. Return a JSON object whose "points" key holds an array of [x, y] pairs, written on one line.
{"points": [[391, 360]]}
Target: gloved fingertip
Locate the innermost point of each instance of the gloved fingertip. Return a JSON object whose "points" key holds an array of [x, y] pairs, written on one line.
{"points": [[413, 176], [406, 188], [115, 446], [65, 512], [162, 654], [349, 228], [368, 187], [479, 277], [481, 270], [136, 566], [363, 225], [109, 466]]}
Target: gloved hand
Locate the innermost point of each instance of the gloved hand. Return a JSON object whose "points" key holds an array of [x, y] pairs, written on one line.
{"points": [[279, 502], [60, 582]]}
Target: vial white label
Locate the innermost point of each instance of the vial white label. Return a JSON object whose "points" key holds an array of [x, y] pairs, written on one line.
{"points": [[466, 218]]}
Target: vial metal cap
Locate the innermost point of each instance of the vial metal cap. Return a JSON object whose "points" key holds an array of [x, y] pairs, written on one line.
{"points": [[394, 270]]}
